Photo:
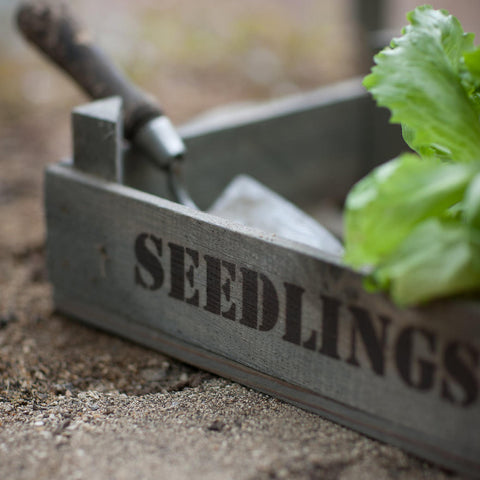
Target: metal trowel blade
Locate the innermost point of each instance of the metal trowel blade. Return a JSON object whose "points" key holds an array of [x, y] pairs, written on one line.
{"points": [[249, 202]]}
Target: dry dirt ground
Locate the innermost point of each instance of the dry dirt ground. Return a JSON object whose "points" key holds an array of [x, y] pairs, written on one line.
{"points": [[78, 403]]}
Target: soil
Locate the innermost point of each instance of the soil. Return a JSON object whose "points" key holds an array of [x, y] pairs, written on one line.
{"points": [[81, 404]]}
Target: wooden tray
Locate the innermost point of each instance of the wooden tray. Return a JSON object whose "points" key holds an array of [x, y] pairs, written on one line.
{"points": [[272, 314]]}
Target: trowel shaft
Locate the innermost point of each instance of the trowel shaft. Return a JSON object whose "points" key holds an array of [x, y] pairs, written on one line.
{"points": [[58, 35]]}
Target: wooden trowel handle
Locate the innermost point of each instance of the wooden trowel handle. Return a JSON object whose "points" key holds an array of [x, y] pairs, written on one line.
{"points": [[53, 30]]}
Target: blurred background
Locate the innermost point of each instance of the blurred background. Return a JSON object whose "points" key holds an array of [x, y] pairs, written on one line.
{"points": [[195, 54], [192, 55]]}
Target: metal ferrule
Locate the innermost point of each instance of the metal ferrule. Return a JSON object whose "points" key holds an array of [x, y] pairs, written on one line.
{"points": [[160, 141], [164, 146]]}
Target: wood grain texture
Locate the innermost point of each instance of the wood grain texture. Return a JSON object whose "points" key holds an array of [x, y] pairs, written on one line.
{"points": [[267, 312], [97, 143]]}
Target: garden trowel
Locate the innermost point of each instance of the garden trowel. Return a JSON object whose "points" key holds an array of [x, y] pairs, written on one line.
{"points": [[53, 30]]}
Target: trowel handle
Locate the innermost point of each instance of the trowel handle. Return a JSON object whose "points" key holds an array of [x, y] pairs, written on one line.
{"points": [[53, 30]]}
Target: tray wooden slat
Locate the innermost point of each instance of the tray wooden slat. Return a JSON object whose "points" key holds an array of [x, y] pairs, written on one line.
{"points": [[267, 312]]}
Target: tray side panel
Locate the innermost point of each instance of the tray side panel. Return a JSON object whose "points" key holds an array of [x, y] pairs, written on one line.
{"points": [[307, 147], [268, 305]]}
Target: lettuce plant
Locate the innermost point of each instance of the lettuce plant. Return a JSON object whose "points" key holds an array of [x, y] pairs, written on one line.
{"points": [[414, 222]]}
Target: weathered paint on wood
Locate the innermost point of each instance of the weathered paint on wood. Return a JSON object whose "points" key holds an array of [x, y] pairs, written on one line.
{"points": [[270, 313], [270, 305], [97, 143]]}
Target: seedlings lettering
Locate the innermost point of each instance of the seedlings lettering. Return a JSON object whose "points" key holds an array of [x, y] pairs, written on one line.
{"points": [[347, 333]]}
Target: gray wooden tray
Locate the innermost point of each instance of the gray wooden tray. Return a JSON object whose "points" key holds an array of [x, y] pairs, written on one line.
{"points": [[272, 314]]}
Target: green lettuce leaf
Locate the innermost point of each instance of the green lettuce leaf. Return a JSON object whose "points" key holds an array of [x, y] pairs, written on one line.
{"points": [[437, 259], [383, 208], [415, 221], [471, 77], [417, 78], [471, 205]]}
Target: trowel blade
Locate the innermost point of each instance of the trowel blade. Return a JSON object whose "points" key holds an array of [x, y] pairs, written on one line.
{"points": [[249, 202]]}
